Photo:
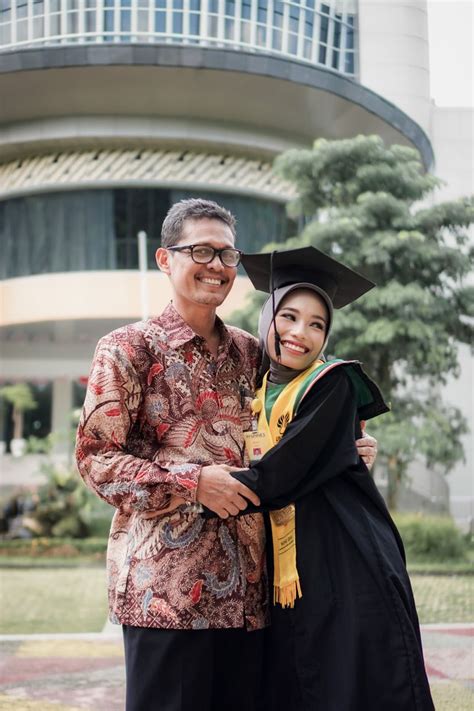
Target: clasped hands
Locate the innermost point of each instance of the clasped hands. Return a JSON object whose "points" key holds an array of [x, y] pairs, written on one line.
{"points": [[227, 496], [217, 490]]}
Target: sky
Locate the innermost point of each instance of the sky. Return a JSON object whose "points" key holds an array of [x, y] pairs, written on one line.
{"points": [[451, 36]]}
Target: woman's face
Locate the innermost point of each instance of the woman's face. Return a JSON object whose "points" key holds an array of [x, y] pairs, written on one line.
{"points": [[301, 321]]}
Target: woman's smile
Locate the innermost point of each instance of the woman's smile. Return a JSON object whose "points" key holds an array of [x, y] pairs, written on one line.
{"points": [[301, 322]]}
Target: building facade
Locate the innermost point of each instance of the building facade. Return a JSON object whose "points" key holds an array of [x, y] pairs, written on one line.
{"points": [[115, 109]]}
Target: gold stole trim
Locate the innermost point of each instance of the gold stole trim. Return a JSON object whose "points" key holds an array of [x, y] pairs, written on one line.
{"points": [[286, 582]]}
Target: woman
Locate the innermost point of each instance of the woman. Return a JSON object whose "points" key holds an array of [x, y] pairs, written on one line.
{"points": [[348, 637]]}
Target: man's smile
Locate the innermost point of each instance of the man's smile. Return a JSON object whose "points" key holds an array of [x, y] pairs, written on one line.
{"points": [[212, 281]]}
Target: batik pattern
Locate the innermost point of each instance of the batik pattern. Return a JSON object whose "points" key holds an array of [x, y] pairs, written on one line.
{"points": [[158, 407]]}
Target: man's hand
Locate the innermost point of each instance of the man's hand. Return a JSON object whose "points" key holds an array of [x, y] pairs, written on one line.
{"points": [[367, 447], [221, 493]]}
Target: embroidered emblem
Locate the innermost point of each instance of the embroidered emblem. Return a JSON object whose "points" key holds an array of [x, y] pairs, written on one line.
{"points": [[282, 423]]}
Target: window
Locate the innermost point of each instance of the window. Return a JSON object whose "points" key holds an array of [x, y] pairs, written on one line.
{"points": [[97, 229]]}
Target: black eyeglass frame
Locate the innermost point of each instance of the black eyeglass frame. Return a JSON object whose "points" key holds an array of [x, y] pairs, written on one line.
{"points": [[192, 247]]}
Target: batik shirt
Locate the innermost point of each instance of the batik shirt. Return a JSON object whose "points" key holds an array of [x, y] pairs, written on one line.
{"points": [[159, 407]]}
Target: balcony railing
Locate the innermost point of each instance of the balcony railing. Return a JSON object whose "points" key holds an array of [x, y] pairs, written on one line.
{"points": [[319, 33]]}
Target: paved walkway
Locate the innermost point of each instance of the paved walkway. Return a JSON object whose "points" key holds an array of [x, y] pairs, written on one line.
{"points": [[73, 672]]}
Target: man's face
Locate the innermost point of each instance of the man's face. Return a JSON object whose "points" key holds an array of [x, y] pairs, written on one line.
{"points": [[204, 284]]}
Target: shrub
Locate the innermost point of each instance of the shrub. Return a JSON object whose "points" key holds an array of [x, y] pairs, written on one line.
{"points": [[52, 547], [431, 538]]}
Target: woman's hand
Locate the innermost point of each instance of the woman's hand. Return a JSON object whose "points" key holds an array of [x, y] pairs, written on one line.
{"points": [[366, 447]]}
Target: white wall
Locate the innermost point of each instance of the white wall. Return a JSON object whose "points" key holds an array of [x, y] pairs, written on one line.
{"points": [[453, 144], [394, 54]]}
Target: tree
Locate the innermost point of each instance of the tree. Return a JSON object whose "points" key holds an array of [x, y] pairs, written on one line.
{"points": [[371, 206], [21, 397]]}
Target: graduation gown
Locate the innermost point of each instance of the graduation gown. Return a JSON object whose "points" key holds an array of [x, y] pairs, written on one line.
{"points": [[352, 642]]}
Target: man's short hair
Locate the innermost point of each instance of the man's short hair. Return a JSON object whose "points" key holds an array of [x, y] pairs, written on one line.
{"points": [[192, 209]]}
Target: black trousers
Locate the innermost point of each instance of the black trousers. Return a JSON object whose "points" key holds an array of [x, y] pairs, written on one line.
{"points": [[193, 670]]}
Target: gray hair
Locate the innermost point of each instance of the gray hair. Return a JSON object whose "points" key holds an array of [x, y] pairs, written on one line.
{"points": [[192, 209]]}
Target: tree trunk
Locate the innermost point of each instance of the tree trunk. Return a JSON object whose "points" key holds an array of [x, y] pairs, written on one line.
{"points": [[17, 423]]}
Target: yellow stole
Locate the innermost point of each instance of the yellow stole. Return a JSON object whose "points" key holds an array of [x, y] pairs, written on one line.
{"points": [[286, 583]]}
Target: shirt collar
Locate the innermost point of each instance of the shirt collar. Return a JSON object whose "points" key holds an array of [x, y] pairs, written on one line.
{"points": [[179, 332]]}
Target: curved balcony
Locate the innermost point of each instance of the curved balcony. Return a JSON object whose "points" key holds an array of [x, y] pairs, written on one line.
{"points": [[318, 33]]}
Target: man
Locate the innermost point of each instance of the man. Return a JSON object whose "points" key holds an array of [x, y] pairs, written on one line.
{"points": [[166, 405]]}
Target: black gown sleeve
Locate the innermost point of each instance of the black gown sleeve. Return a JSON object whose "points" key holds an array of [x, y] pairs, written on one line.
{"points": [[318, 444]]}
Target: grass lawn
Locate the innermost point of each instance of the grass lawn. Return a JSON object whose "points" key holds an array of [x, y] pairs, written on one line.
{"points": [[73, 599], [451, 696], [43, 600], [444, 598]]}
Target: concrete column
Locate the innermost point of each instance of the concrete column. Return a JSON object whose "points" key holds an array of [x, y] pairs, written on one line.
{"points": [[394, 54], [61, 415]]}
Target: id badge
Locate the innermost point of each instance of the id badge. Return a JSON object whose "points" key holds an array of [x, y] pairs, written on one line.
{"points": [[257, 444]]}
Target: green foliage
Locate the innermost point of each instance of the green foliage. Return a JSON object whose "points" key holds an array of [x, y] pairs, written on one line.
{"points": [[421, 423], [63, 505], [52, 547], [19, 395], [39, 445], [431, 538], [361, 202]]}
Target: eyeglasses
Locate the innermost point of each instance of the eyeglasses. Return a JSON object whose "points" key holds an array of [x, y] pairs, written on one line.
{"points": [[203, 254]]}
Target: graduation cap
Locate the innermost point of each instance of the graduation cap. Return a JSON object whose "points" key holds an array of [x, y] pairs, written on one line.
{"points": [[307, 266], [272, 270]]}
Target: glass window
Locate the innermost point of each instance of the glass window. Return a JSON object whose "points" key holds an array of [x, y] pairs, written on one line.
{"points": [[245, 31], [97, 229], [261, 35], [229, 26], [160, 21], [5, 37], [38, 7], [125, 20], [276, 41], [38, 27], [21, 9], [294, 18], [349, 63], [323, 30], [72, 22], [309, 24], [5, 7], [54, 24], [212, 26], [278, 14], [177, 23], [350, 38], [194, 23], [21, 30], [90, 21], [337, 32]]}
